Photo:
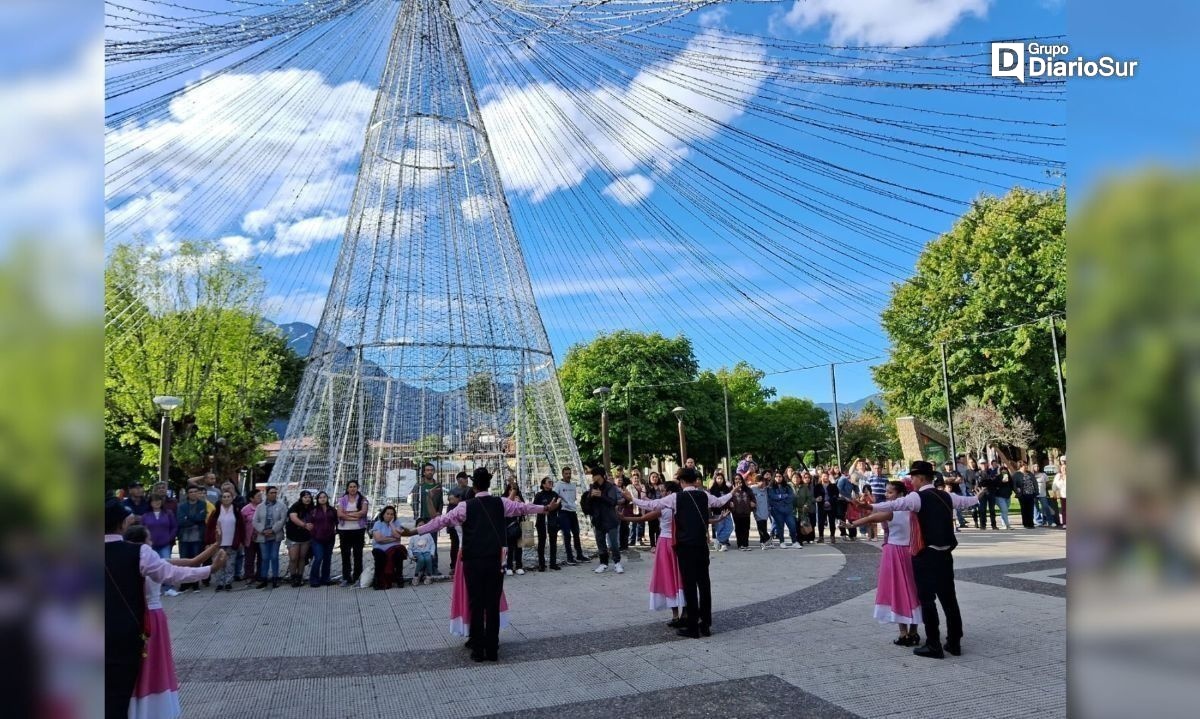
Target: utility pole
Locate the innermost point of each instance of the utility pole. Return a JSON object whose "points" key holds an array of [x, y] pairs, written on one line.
{"points": [[728, 450], [1062, 393], [949, 412], [628, 430], [837, 425]]}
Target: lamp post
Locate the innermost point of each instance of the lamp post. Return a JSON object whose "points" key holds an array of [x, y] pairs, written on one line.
{"points": [[678, 412], [602, 393], [166, 404]]}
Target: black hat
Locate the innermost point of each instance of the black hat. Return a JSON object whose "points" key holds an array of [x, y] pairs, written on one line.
{"points": [[115, 513], [481, 473], [919, 467]]}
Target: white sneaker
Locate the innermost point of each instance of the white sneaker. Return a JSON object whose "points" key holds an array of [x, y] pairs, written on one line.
{"points": [[425, 580], [171, 593], [521, 572], [508, 572], [763, 546], [618, 568], [722, 548], [601, 569], [787, 544]]}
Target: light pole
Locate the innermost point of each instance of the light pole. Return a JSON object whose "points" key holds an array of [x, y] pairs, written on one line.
{"points": [[602, 393], [678, 412], [166, 404]]}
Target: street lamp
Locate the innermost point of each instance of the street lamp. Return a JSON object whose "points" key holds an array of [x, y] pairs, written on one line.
{"points": [[166, 404], [678, 412], [602, 393]]}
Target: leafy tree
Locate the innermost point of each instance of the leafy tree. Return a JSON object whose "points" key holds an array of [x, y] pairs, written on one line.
{"points": [[979, 424], [868, 433], [775, 431], [190, 328], [1001, 264], [649, 375]]}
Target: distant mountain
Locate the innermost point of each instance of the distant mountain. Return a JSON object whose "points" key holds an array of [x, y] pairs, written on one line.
{"points": [[439, 409], [854, 406]]}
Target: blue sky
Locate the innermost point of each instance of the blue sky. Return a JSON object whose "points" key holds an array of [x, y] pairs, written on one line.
{"points": [[1094, 146]]}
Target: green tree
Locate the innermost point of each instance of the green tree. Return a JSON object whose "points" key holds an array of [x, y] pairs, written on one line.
{"points": [[190, 328], [869, 434], [776, 431], [1001, 264], [649, 375]]}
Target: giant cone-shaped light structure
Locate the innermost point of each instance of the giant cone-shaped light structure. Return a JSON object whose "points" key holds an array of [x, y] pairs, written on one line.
{"points": [[430, 346]]}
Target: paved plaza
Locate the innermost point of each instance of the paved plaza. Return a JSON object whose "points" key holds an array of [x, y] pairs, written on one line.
{"points": [[793, 637]]}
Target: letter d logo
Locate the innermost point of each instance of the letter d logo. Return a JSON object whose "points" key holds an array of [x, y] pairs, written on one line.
{"points": [[1008, 60]]}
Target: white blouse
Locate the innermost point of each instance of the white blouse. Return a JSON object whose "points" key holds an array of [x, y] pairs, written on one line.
{"points": [[666, 523], [899, 528]]}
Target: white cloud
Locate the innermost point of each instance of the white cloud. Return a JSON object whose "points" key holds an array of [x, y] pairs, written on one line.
{"points": [[288, 165], [478, 208], [50, 166], [298, 237], [630, 190], [882, 22], [541, 133]]}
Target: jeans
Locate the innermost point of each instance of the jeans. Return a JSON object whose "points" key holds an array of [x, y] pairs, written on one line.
{"points": [[165, 553], [187, 550], [784, 519], [639, 533], [322, 553], [609, 542], [435, 551], [424, 562], [269, 560], [724, 529], [1045, 513], [1003, 503], [568, 522]]}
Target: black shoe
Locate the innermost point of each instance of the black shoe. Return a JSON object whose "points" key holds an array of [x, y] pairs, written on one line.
{"points": [[931, 651], [275, 583], [571, 563], [492, 656], [585, 558], [541, 569], [555, 567], [262, 584], [954, 648], [477, 656], [689, 633], [206, 581], [705, 632], [237, 578], [468, 644]]}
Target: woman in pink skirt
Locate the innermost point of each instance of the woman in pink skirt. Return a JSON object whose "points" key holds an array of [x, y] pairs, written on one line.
{"points": [[156, 695], [896, 596]]}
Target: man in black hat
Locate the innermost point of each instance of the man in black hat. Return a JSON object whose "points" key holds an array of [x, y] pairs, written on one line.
{"points": [[691, 508], [482, 519], [933, 566], [126, 566]]}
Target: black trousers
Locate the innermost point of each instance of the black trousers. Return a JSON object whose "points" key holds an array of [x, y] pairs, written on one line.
{"points": [[352, 551], [568, 522], [741, 529], [541, 534], [514, 560], [655, 528], [453, 532], [763, 535], [933, 571], [120, 677], [484, 582], [987, 506], [1027, 503], [697, 590]]}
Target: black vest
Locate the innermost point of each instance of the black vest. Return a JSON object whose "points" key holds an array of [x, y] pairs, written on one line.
{"points": [[937, 519], [124, 600], [483, 530], [691, 518]]}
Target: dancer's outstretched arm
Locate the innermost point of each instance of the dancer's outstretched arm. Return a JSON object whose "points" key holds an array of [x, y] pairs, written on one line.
{"points": [[871, 518]]}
